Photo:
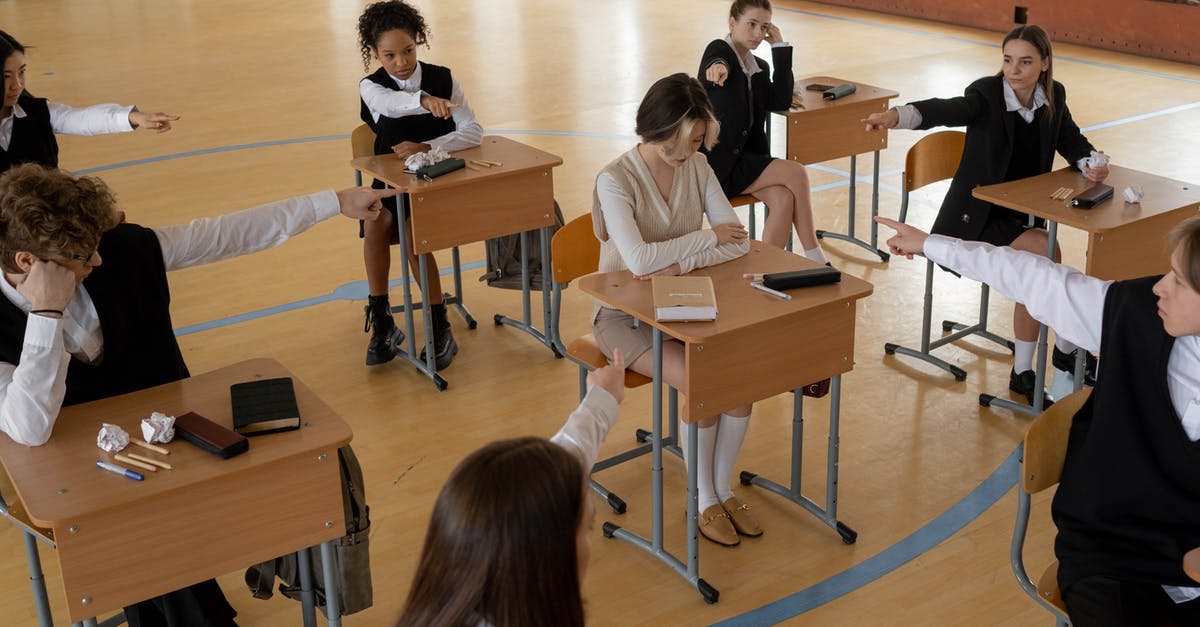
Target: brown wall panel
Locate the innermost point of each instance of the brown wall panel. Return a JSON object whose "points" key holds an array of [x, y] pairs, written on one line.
{"points": [[1147, 27]]}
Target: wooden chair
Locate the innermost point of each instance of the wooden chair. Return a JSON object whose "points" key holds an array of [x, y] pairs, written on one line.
{"points": [[574, 252], [935, 158], [362, 144], [1045, 449]]}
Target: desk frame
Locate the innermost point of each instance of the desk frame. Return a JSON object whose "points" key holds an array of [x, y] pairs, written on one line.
{"points": [[837, 310], [1119, 242], [105, 563], [439, 212], [833, 141]]}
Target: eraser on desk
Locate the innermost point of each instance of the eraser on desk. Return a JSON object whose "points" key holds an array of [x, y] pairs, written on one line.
{"points": [[210, 436]]}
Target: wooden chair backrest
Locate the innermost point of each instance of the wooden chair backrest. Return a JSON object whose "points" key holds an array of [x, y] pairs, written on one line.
{"points": [[575, 251], [934, 158], [1046, 443], [362, 142]]}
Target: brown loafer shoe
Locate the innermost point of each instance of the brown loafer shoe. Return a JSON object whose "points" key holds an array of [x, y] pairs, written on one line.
{"points": [[743, 521], [714, 524]]}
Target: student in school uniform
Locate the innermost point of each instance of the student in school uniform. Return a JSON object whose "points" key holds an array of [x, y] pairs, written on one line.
{"points": [[1128, 505], [85, 312], [413, 107], [1015, 121], [509, 539], [28, 124], [742, 94], [648, 210]]}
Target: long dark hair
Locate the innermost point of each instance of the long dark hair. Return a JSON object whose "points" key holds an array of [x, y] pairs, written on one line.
{"points": [[501, 544], [382, 17], [1041, 42], [8, 45]]}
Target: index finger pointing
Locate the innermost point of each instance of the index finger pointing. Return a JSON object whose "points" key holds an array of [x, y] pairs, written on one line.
{"points": [[890, 223], [386, 193]]}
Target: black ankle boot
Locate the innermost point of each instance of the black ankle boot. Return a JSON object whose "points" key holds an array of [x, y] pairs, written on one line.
{"points": [[444, 346], [385, 335]]}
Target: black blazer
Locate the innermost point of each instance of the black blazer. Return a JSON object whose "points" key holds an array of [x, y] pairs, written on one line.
{"points": [[742, 111], [989, 147]]}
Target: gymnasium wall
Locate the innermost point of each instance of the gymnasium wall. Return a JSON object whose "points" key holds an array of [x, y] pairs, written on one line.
{"points": [[1153, 28]]}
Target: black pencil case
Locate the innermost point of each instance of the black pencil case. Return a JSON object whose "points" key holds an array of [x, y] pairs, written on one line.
{"points": [[210, 436], [1092, 196], [801, 278], [445, 166], [838, 91]]}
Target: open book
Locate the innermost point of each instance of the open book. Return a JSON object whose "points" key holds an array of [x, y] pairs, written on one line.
{"points": [[684, 299]]}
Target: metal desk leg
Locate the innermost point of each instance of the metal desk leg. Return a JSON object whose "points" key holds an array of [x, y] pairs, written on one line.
{"points": [[526, 322], [307, 596], [332, 612], [1039, 366], [691, 570], [849, 236], [37, 581], [827, 514]]}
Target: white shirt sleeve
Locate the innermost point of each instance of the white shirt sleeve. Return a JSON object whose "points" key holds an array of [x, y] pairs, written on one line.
{"points": [[642, 257], [910, 117], [467, 132], [98, 119], [1058, 296], [587, 426], [206, 240], [718, 211], [389, 102], [32, 392]]}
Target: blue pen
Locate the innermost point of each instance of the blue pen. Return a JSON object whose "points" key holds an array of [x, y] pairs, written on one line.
{"points": [[119, 470]]}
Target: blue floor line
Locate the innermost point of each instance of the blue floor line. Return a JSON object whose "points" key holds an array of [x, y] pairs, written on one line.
{"points": [[347, 291], [928, 536]]}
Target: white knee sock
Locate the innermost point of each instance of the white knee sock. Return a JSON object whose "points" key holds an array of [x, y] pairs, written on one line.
{"points": [[729, 444], [1063, 345], [1023, 355], [816, 254], [706, 441]]}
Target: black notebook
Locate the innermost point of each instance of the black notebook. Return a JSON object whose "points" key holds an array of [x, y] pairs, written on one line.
{"points": [[266, 406]]}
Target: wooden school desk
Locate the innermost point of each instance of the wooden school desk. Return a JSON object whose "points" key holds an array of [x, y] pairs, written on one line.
{"points": [[759, 346], [470, 205], [1125, 240], [121, 541], [822, 130]]}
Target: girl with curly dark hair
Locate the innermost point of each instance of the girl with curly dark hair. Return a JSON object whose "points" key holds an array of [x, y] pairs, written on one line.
{"points": [[413, 107]]}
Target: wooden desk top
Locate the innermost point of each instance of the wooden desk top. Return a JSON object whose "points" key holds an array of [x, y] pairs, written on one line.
{"points": [[813, 101], [515, 157], [739, 306], [1032, 195], [59, 481]]}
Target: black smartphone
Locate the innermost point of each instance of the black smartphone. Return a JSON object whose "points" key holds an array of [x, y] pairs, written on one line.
{"points": [[817, 87]]}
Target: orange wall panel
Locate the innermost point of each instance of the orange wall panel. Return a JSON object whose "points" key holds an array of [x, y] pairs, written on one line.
{"points": [[1152, 28]]}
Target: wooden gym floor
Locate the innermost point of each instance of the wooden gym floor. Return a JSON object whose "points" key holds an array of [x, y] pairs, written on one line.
{"points": [[267, 95]]}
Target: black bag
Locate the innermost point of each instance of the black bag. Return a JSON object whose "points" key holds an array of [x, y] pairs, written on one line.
{"points": [[504, 257], [351, 552]]}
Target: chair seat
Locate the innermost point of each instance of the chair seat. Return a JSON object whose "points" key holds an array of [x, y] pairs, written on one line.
{"points": [[1047, 587], [586, 350], [742, 200]]}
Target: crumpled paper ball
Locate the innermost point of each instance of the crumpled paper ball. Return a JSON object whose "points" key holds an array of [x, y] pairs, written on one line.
{"points": [[112, 438], [1096, 160], [1133, 193], [159, 427], [419, 160]]}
